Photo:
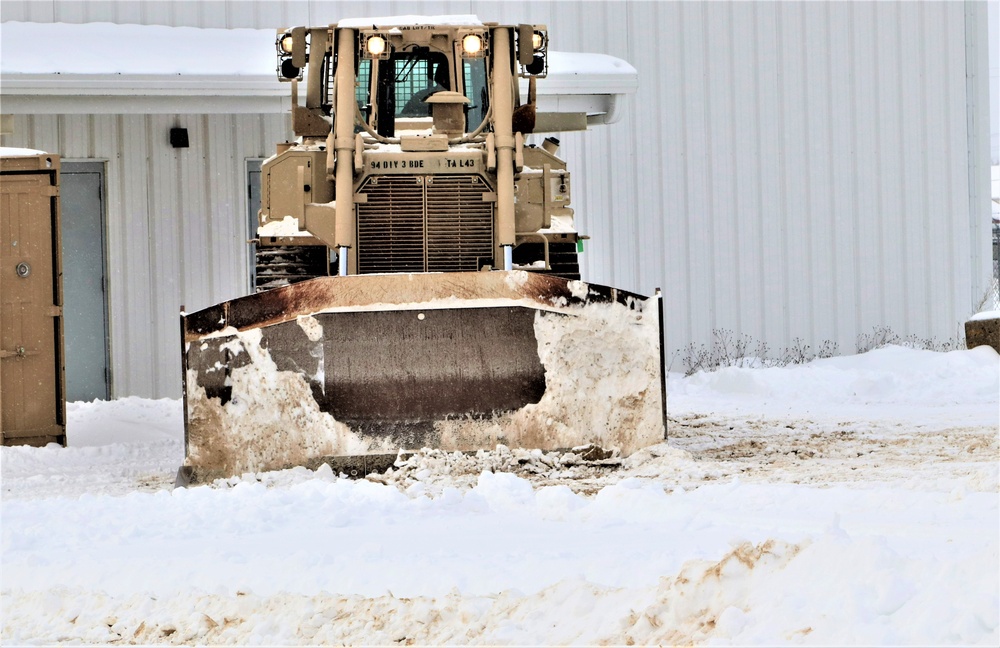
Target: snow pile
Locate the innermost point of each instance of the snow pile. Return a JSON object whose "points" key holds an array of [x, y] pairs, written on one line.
{"points": [[843, 510], [113, 448], [271, 419], [429, 471], [924, 388]]}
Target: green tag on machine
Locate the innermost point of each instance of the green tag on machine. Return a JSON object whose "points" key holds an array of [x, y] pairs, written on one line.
{"points": [[579, 246]]}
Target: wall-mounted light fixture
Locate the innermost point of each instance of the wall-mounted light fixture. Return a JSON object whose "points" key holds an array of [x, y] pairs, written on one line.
{"points": [[179, 137]]}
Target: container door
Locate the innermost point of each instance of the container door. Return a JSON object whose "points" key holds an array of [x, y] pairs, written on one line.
{"points": [[84, 281], [30, 362]]}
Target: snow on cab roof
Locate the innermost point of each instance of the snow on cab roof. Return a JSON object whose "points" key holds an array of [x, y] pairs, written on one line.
{"points": [[411, 21]]}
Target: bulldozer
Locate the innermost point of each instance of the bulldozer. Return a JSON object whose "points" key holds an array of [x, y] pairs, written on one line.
{"points": [[417, 274]]}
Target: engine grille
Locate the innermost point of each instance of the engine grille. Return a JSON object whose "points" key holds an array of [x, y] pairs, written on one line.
{"points": [[424, 224]]}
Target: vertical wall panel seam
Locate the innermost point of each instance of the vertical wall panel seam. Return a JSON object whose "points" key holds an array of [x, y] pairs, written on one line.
{"points": [[834, 298], [734, 180], [952, 242], [152, 247], [784, 245], [119, 301], [607, 176], [111, 168], [904, 182], [686, 182], [91, 136], [807, 181], [758, 162], [661, 216], [708, 179], [207, 216], [855, 157], [61, 131], [977, 231], [879, 184], [238, 154], [639, 243], [926, 307], [181, 198]]}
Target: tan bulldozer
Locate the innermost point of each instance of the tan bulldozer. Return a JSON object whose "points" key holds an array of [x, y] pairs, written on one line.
{"points": [[417, 271]]}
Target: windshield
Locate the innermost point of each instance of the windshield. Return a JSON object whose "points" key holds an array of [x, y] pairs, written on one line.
{"points": [[408, 78]]}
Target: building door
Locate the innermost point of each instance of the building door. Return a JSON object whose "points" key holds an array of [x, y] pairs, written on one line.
{"points": [[84, 282], [253, 206]]}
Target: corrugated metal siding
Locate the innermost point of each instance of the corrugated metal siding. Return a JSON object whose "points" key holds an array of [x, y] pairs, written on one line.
{"points": [[786, 170], [177, 228]]}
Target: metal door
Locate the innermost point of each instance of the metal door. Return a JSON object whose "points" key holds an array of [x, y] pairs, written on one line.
{"points": [[84, 282], [253, 206]]}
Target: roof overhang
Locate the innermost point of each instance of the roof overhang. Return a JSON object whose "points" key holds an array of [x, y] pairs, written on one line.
{"points": [[156, 69], [140, 93]]}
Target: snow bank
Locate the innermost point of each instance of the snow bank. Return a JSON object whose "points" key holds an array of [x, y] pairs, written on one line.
{"points": [[113, 448], [924, 388]]}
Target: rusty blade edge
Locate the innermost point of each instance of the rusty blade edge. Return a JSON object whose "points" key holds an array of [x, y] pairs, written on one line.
{"points": [[357, 291]]}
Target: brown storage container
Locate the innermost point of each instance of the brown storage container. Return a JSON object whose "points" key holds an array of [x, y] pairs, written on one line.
{"points": [[32, 371]]}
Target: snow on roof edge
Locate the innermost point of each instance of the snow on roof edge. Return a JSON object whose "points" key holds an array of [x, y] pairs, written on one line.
{"points": [[110, 48], [13, 151]]}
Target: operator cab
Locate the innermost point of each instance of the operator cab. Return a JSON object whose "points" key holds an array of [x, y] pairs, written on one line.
{"points": [[392, 93]]}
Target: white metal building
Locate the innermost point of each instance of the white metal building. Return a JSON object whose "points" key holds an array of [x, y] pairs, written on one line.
{"points": [[785, 170]]}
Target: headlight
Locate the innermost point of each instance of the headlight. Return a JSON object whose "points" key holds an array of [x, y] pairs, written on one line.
{"points": [[285, 44], [472, 44], [375, 45], [537, 40]]}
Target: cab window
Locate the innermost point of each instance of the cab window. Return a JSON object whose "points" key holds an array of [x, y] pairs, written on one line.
{"points": [[475, 86]]}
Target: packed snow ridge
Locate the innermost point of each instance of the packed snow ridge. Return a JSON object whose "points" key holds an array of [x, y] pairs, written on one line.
{"points": [[847, 501]]}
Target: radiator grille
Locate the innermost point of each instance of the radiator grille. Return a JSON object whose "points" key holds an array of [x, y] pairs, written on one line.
{"points": [[424, 224], [391, 225], [459, 224]]}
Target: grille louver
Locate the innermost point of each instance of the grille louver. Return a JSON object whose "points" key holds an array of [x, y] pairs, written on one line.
{"points": [[424, 224]]}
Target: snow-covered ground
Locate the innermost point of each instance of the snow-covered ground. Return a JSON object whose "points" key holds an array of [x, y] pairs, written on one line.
{"points": [[852, 500]]}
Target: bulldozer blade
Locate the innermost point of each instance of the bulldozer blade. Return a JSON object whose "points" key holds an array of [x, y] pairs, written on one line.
{"points": [[353, 370]]}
